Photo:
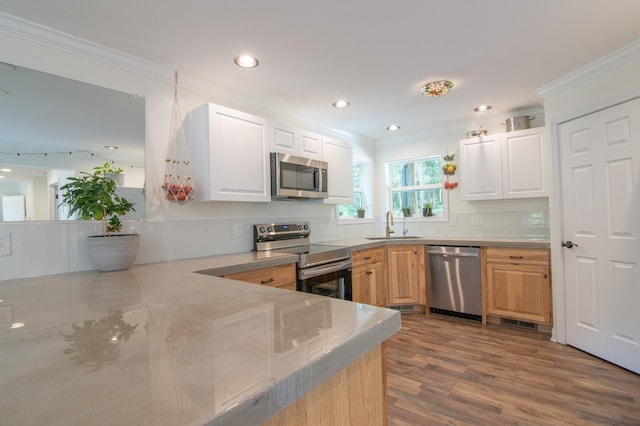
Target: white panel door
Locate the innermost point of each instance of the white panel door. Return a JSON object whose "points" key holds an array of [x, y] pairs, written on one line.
{"points": [[310, 145], [481, 168], [600, 177], [523, 165], [339, 156], [284, 139], [229, 154], [239, 156]]}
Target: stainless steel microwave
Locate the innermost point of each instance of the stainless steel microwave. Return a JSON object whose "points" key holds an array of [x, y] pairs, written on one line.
{"points": [[294, 177]]}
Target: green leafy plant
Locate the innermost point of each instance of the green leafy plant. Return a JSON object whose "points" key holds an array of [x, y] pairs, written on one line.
{"points": [[93, 196], [428, 205]]}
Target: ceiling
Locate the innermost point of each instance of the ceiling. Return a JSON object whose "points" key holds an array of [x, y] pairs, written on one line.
{"points": [[374, 53]]}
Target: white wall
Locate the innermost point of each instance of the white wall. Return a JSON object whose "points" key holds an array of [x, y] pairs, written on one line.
{"points": [[174, 231], [606, 82], [495, 217]]}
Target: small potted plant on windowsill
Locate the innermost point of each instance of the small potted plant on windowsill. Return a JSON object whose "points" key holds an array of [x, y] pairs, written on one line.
{"points": [[93, 196], [361, 210], [427, 209]]}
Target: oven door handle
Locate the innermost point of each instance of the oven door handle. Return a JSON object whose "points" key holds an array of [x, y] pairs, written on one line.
{"points": [[316, 271]]}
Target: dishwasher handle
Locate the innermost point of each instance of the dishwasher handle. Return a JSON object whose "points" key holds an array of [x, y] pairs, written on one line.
{"points": [[450, 254]]}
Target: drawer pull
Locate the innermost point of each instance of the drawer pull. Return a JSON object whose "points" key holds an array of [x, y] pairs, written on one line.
{"points": [[367, 258], [270, 280], [516, 257], [369, 272]]}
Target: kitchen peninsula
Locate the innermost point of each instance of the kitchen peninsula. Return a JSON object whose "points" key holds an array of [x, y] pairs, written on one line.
{"points": [[159, 344]]}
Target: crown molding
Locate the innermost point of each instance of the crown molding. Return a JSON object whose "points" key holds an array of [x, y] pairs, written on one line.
{"points": [[44, 36], [609, 61]]}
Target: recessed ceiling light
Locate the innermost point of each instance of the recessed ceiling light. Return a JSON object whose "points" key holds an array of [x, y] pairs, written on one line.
{"points": [[393, 127], [111, 147], [436, 88], [246, 61], [482, 108], [341, 103]]}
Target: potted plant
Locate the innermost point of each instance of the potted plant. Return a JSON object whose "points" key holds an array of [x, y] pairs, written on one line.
{"points": [[427, 209], [406, 211], [93, 196], [361, 210]]}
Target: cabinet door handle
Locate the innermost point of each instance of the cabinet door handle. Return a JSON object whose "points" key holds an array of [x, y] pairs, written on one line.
{"points": [[516, 257], [369, 272], [270, 280], [367, 257]]}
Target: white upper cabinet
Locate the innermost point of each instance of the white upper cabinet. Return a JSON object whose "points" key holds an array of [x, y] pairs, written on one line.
{"points": [[229, 154], [284, 139], [290, 140], [480, 168], [507, 165], [311, 145], [339, 156], [523, 168]]}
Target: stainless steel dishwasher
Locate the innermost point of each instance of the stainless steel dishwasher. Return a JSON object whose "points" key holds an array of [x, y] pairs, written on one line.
{"points": [[455, 287]]}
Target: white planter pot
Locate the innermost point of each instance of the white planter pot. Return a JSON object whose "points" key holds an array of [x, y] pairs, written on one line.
{"points": [[113, 253]]}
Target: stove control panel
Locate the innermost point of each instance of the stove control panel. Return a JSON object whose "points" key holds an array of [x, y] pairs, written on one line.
{"points": [[281, 230]]}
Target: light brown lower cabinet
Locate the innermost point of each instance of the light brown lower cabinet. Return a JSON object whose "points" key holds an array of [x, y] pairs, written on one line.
{"points": [[518, 284], [406, 275], [283, 276], [368, 278], [356, 395]]}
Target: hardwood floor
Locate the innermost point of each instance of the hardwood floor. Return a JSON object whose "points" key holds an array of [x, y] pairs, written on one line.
{"points": [[449, 371]]}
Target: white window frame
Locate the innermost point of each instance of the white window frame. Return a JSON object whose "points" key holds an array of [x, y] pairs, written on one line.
{"points": [[366, 190], [417, 216]]}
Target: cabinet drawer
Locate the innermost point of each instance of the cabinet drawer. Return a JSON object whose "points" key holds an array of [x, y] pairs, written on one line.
{"points": [[519, 256], [367, 257], [283, 276]]}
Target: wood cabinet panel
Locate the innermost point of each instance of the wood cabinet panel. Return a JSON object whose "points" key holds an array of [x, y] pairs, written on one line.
{"points": [[283, 276], [368, 277], [520, 256], [356, 395], [518, 284], [362, 257], [406, 275]]}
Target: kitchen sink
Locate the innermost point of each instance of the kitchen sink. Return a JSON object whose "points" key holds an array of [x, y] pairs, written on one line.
{"points": [[403, 237]]}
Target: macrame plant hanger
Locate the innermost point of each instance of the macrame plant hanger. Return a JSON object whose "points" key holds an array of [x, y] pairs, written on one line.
{"points": [[178, 182]]}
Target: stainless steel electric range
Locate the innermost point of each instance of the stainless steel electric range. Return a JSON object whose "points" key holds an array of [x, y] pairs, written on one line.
{"points": [[321, 269]]}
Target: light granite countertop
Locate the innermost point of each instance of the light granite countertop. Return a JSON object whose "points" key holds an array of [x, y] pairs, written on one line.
{"points": [[360, 243], [161, 345]]}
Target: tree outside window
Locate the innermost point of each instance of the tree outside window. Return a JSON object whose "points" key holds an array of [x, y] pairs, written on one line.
{"points": [[414, 183]]}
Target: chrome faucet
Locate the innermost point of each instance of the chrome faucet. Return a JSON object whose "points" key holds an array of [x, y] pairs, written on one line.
{"points": [[389, 230]]}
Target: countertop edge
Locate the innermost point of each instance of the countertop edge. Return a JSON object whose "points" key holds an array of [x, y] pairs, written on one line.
{"points": [[268, 403], [363, 243]]}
